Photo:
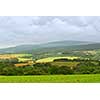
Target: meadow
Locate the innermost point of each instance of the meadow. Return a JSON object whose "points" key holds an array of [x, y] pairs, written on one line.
{"points": [[50, 59], [69, 63], [88, 78]]}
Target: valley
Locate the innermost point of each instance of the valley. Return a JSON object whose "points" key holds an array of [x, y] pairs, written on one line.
{"points": [[56, 58]]}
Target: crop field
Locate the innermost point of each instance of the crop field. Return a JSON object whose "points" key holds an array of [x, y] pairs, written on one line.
{"points": [[91, 78], [50, 59], [14, 55], [20, 57]]}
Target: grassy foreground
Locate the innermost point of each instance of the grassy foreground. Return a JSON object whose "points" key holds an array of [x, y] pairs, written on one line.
{"points": [[52, 79]]}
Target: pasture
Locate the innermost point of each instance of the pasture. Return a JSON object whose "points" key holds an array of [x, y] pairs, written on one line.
{"points": [[24, 59], [69, 63], [50, 59], [88, 78]]}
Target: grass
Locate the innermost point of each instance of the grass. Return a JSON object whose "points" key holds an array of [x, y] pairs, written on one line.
{"points": [[50, 59], [93, 78], [69, 63], [24, 59]]}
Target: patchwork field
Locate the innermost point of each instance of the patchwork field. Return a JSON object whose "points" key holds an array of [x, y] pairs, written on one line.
{"points": [[20, 57], [52, 79]]}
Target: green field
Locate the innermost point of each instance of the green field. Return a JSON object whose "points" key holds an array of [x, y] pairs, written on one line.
{"points": [[50, 59], [24, 59], [69, 63], [52, 79]]}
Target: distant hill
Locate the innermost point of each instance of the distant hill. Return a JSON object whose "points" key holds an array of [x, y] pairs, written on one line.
{"points": [[58, 45], [92, 46], [64, 43]]}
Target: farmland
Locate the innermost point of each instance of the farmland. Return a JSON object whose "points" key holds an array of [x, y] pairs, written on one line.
{"points": [[93, 78], [24, 59], [20, 57], [61, 68], [14, 55], [50, 59], [70, 63]]}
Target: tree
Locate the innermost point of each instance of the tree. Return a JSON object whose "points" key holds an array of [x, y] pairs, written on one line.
{"points": [[62, 60], [60, 70], [85, 68], [65, 70], [53, 70]]}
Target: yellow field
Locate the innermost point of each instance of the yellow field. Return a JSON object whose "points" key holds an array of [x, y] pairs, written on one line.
{"points": [[24, 64], [24, 59], [20, 57], [13, 55], [50, 59]]}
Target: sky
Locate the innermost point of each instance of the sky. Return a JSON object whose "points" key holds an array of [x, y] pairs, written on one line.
{"points": [[19, 30]]}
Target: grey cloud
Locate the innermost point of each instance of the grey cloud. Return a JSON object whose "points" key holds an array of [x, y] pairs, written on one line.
{"points": [[16, 30]]}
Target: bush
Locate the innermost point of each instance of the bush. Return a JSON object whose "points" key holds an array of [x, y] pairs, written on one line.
{"points": [[65, 70], [61, 70], [87, 68]]}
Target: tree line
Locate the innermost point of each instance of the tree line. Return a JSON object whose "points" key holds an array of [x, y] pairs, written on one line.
{"points": [[87, 67]]}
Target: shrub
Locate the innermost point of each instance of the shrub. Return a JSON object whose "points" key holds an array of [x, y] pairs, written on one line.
{"points": [[60, 70]]}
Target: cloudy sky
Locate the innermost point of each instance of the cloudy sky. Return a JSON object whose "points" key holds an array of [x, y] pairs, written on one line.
{"points": [[17, 30]]}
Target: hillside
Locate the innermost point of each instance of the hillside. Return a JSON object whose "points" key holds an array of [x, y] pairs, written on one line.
{"points": [[58, 45], [92, 46], [64, 43]]}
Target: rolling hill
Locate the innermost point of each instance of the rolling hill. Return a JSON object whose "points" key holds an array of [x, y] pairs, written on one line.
{"points": [[58, 45]]}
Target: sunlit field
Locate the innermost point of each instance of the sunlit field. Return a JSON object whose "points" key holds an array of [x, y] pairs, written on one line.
{"points": [[14, 55], [20, 57], [50, 59]]}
